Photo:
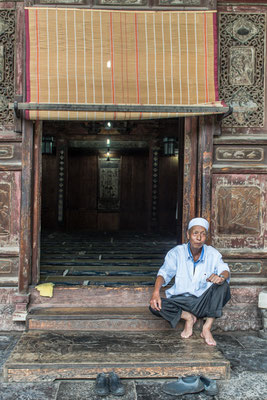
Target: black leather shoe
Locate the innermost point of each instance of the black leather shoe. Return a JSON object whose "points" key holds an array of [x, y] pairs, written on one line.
{"points": [[101, 385], [115, 385], [188, 384], [210, 385]]}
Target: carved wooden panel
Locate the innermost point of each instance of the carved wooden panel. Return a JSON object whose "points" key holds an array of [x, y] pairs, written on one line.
{"points": [[239, 211], [242, 266], [7, 42], [10, 154], [9, 208], [8, 267], [243, 156], [109, 184], [242, 65]]}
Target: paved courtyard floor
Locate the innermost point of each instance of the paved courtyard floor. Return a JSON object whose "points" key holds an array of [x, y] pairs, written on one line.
{"points": [[246, 352]]}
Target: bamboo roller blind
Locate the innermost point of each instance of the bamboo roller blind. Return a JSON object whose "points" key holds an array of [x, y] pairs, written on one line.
{"points": [[85, 56]]}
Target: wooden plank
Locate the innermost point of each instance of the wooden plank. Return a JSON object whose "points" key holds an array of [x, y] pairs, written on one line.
{"points": [[77, 355]]}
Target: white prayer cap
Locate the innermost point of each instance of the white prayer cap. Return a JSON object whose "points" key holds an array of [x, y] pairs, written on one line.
{"points": [[199, 221]]}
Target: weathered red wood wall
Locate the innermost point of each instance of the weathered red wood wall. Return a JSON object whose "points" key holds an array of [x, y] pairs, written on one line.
{"points": [[239, 178]]}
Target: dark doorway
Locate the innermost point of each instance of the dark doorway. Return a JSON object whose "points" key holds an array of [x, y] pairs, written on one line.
{"points": [[101, 187]]}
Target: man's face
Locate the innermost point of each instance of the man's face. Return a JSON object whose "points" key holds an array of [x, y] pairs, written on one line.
{"points": [[197, 236]]}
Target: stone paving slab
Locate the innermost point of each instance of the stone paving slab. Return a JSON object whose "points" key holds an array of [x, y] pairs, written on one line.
{"points": [[7, 344], [85, 390], [246, 352], [29, 391]]}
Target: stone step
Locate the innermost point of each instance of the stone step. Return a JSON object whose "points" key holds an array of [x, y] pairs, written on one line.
{"points": [[96, 319], [47, 356]]}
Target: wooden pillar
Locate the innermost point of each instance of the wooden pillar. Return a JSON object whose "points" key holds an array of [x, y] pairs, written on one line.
{"points": [[26, 207], [205, 152], [189, 172], [62, 165], [37, 185], [153, 186]]}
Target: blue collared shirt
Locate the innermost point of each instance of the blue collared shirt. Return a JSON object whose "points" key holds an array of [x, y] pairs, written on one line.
{"points": [[179, 264]]}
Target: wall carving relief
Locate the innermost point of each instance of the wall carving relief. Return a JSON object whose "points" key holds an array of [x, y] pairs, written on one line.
{"points": [[109, 184], [179, 2], [242, 65], [123, 2], [10, 197], [6, 152], [242, 54], [239, 153], [247, 267], [61, 182], [5, 194], [239, 211], [7, 42], [155, 184], [5, 266]]}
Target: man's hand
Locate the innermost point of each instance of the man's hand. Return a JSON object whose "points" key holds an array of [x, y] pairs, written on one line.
{"points": [[155, 301], [215, 279]]}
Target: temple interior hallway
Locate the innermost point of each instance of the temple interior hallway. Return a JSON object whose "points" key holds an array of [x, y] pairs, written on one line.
{"points": [[103, 258]]}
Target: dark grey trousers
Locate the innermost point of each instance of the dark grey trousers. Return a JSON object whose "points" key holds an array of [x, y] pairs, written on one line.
{"points": [[209, 304]]}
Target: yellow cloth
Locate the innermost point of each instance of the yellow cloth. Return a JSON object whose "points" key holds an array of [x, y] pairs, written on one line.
{"points": [[45, 289]]}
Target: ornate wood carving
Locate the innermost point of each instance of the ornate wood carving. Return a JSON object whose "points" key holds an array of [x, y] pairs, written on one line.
{"points": [[245, 267], [109, 184], [155, 183], [239, 211], [179, 2], [5, 266], [242, 54], [122, 2], [7, 42], [239, 153], [5, 211], [61, 181], [242, 65], [9, 208], [6, 151]]}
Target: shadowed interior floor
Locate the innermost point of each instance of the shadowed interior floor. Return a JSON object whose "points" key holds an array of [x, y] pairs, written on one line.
{"points": [[109, 259]]}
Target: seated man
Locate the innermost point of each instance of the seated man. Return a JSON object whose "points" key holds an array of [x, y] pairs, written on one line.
{"points": [[201, 283]]}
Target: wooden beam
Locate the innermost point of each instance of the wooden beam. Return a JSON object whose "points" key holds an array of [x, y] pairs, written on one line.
{"points": [[119, 108]]}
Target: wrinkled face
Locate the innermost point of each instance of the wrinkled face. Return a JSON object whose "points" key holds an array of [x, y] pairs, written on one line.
{"points": [[197, 236]]}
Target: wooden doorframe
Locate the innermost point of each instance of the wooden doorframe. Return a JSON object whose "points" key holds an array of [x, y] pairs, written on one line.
{"points": [[30, 220], [36, 209], [25, 254]]}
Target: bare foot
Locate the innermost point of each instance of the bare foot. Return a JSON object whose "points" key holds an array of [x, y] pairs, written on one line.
{"points": [[188, 326], [209, 339]]}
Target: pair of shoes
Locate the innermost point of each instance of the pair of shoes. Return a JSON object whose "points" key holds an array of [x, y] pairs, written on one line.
{"points": [[109, 384], [191, 384], [210, 386], [188, 384]]}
